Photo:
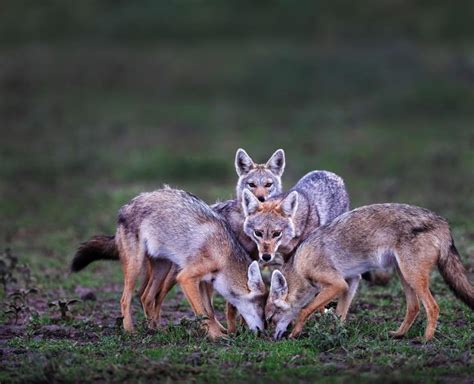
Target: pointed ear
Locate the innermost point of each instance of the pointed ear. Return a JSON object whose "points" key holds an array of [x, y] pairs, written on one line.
{"points": [[243, 162], [255, 281], [289, 205], [276, 163], [278, 286], [250, 203]]}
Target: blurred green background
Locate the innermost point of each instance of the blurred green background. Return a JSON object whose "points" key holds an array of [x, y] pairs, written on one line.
{"points": [[101, 100]]}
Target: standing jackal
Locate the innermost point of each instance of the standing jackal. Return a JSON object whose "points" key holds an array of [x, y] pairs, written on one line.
{"points": [[177, 227], [410, 238]]}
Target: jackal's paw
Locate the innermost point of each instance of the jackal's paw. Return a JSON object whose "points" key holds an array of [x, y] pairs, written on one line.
{"points": [[153, 324], [396, 334], [215, 334], [214, 331], [428, 336], [128, 327]]}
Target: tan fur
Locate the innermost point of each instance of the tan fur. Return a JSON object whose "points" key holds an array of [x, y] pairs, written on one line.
{"points": [[153, 238], [231, 317], [412, 239], [160, 278], [190, 279], [271, 206]]}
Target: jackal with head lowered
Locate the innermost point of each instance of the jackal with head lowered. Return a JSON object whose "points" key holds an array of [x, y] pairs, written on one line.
{"points": [[411, 239], [177, 227]]}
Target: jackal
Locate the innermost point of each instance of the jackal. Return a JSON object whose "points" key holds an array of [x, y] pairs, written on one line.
{"points": [[177, 227], [412, 239], [281, 223]]}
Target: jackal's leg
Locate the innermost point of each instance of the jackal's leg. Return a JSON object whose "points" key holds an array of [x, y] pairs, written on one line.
{"points": [[413, 308], [207, 292], [170, 282], [231, 317], [210, 293], [206, 295], [333, 286], [431, 308], [417, 276], [132, 263], [345, 300], [421, 288], [146, 282], [189, 279], [153, 279], [160, 280], [147, 285]]}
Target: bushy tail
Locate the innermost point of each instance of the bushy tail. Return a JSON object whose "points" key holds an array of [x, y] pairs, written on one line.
{"points": [[454, 274], [97, 248]]}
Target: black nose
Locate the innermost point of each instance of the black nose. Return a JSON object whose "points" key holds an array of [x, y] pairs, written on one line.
{"points": [[261, 198], [266, 257]]}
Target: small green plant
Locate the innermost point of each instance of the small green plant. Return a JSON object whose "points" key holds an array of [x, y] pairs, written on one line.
{"points": [[64, 306], [15, 309], [22, 294], [19, 303]]}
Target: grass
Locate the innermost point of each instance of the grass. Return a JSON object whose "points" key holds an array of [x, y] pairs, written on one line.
{"points": [[85, 127], [327, 350]]}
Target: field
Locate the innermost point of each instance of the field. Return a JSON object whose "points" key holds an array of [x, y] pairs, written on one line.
{"points": [[87, 126]]}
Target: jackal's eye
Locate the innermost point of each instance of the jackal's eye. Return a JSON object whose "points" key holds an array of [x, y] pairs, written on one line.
{"points": [[268, 185], [252, 185], [276, 234], [258, 233]]}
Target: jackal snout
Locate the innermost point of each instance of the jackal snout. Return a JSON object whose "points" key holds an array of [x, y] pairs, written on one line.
{"points": [[261, 194], [266, 254], [268, 248]]}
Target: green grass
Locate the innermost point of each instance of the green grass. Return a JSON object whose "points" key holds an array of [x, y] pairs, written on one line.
{"points": [[86, 127], [327, 350]]}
